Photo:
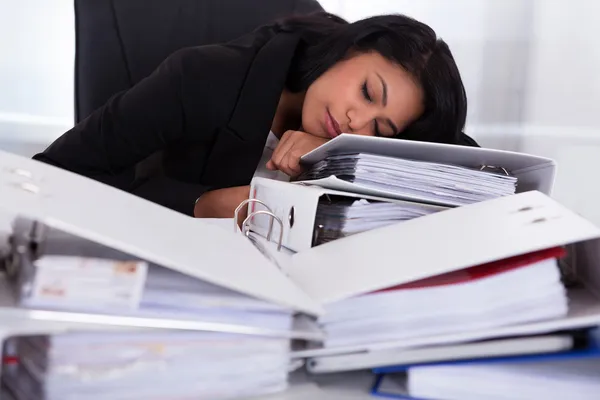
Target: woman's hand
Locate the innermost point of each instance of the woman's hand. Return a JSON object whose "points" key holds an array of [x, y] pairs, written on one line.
{"points": [[221, 203], [292, 146]]}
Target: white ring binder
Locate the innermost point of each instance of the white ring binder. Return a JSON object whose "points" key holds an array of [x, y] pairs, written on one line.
{"points": [[246, 228], [242, 204], [29, 241]]}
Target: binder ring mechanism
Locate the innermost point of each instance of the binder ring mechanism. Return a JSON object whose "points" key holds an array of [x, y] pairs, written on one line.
{"points": [[494, 169], [246, 227], [245, 223]]}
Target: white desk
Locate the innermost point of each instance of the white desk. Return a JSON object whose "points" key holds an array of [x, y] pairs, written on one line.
{"points": [[347, 386]]}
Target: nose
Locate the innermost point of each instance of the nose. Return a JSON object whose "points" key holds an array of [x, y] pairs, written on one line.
{"points": [[359, 120]]}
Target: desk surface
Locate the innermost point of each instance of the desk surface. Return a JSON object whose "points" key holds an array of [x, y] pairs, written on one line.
{"points": [[347, 386]]}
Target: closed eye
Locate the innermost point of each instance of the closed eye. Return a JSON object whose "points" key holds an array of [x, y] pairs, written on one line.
{"points": [[365, 92]]}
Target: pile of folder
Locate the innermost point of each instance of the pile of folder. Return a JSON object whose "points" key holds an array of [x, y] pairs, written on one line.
{"points": [[461, 301], [462, 313], [387, 256]]}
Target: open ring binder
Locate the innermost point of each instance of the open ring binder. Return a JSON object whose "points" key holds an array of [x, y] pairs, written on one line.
{"points": [[30, 240], [246, 227], [239, 208]]}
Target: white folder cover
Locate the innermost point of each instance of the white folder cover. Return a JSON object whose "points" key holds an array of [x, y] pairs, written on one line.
{"points": [[462, 237], [114, 218], [532, 172]]}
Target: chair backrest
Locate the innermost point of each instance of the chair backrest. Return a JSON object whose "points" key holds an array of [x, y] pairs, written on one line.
{"points": [[118, 43]]}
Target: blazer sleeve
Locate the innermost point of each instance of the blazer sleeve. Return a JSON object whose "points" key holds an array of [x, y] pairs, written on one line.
{"points": [[466, 140], [131, 126]]}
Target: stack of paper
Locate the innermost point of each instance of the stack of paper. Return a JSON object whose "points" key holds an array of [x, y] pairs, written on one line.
{"points": [[170, 294], [90, 285], [346, 216], [149, 365], [462, 301], [572, 379], [428, 182]]}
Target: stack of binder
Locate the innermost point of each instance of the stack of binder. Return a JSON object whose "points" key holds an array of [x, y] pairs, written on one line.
{"points": [[424, 172], [124, 286], [273, 281], [428, 182], [144, 282], [241, 348], [362, 183], [464, 300], [345, 255]]}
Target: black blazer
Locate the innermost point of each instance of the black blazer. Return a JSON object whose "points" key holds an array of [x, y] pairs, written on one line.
{"points": [[199, 122], [206, 110]]}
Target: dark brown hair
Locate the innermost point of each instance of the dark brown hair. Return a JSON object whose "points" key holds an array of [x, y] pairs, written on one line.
{"points": [[326, 39]]}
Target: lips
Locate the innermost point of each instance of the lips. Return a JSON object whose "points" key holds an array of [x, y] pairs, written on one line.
{"points": [[331, 125]]}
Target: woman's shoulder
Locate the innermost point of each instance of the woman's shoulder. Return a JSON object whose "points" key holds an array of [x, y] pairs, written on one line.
{"points": [[227, 60], [214, 77]]}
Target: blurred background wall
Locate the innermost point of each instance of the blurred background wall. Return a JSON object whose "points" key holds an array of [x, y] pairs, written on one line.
{"points": [[530, 68]]}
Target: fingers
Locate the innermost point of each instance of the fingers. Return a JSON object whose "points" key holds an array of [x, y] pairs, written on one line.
{"points": [[286, 157], [282, 148], [289, 163], [292, 146], [292, 160]]}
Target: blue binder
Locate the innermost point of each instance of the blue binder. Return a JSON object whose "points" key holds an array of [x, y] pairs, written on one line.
{"points": [[378, 392], [591, 349]]}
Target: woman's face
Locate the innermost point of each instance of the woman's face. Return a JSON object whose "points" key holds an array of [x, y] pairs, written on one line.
{"points": [[365, 94]]}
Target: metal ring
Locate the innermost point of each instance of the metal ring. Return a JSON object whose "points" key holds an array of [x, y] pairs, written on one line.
{"points": [[493, 167], [242, 204], [273, 217]]}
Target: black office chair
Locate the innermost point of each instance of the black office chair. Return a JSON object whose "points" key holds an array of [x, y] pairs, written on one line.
{"points": [[119, 42]]}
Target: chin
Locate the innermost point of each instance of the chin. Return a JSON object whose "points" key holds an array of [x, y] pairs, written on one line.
{"points": [[318, 133], [310, 128], [314, 127]]}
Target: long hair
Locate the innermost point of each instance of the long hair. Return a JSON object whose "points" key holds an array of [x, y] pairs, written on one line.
{"points": [[327, 39]]}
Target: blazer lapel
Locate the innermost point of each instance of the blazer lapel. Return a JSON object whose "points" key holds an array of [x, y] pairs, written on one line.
{"points": [[248, 128]]}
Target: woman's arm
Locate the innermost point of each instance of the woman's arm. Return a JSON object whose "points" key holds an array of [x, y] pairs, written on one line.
{"points": [[133, 125]]}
